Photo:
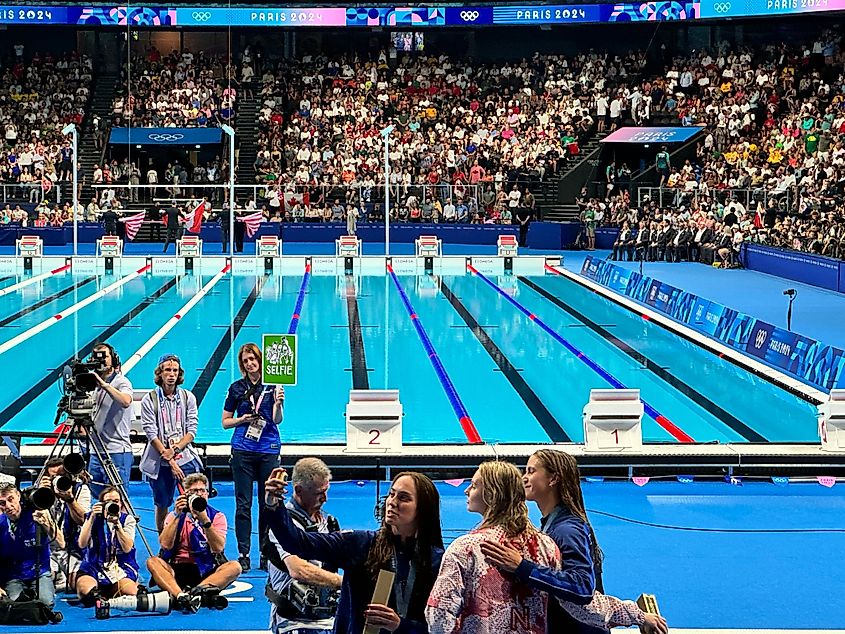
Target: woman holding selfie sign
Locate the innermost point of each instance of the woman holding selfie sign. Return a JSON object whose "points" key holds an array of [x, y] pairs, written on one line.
{"points": [[255, 411]]}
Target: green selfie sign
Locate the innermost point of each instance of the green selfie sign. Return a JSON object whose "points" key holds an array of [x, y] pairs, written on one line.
{"points": [[279, 355]]}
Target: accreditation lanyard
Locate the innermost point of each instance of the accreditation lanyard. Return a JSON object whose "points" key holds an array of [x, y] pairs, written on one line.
{"points": [[171, 428], [402, 590], [257, 404]]}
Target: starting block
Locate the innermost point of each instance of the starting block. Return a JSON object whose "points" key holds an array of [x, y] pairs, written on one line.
{"points": [[613, 421], [189, 247], [109, 246], [268, 247], [29, 246], [429, 246], [348, 246], [374, 421], [507, 246]]}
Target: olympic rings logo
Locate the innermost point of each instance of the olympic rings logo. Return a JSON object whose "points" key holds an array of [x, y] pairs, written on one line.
{"points": [[722, 7], [470, 16], [165, 137], [201, 16]]}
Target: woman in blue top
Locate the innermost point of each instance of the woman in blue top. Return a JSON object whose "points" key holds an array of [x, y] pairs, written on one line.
{"points": [[254, 411], [107, 540], [409, 543]]}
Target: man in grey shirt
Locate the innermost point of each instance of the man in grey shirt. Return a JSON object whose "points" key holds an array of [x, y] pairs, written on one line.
{"points": [[112, 419]]}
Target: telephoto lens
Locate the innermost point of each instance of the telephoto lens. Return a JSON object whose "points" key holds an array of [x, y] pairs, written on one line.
{"points": [[74, 463], [197, 503], [111, 509], [39, 498], [62, 483]]}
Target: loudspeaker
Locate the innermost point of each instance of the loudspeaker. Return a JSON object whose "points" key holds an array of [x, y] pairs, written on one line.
{"points": [[189, 265], [27, 264], [109, 264], [348, 265], [268, 265], [509, 264], [428, 265]]}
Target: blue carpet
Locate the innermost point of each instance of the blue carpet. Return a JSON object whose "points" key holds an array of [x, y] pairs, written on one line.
{"points": [[723, 557]]}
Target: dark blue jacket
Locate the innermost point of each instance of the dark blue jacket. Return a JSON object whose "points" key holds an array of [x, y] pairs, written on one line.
{"points": [[23, 557], [575, 581], [349, 550]]}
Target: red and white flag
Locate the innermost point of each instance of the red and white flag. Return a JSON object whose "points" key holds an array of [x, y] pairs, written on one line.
{"points": [[193, 221], [133, 224], [252, 222]]}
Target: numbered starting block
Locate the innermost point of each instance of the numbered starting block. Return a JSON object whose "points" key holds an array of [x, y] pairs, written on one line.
{"points": [[429, 246], [348, 248], [613, 421], [507, 246], [831, 416], [109, 248], [374, 421], [269, 248], [189, 247], [29, 247]]}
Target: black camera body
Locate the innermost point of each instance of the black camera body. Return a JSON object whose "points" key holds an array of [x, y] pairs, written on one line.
{"points": [[111, 509], [80, 382]]}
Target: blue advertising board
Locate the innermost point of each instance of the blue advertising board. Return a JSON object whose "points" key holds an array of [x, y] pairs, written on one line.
{"points": [[808, 360]]}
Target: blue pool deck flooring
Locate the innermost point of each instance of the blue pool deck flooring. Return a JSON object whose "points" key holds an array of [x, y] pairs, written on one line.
{"points": [[717, 556]]}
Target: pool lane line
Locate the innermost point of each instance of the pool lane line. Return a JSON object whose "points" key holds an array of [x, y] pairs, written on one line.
{"points": [[460, 410], [31, 332], [15, 407], [209, 372], [43, 302], [33, 280], [547, 421], [676, 432], [662, 373], [132, 361], [357, 355], [300, 299]]}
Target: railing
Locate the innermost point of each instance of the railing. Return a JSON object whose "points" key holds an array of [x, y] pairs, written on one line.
{"points": [[673, 197], [33, 193]]}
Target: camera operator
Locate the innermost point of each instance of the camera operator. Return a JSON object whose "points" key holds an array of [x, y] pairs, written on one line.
{"points": [[68, 513], [25, 535], [112, 418], [107, 538], [311, 478], [169, 418], [192, 543], [255, 411]]}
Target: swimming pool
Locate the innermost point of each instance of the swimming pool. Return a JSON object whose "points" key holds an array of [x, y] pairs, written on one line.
{"points": [[521, 354]]}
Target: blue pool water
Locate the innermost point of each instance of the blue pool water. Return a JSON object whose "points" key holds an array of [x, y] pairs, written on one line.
{"points": [[518, 384]]}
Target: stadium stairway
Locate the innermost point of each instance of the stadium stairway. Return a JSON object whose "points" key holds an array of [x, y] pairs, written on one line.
{"points": [[247, 131], [101, 103], [547, 193]]}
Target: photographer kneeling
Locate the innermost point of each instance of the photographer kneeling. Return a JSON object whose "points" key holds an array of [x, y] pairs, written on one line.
{"points": [[303, 593], [25, 535], [107, 540], [192, 543]]}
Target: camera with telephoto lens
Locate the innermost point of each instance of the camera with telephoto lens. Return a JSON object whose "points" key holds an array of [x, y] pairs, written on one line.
{"points": [[197, 503], [80, 382], [38, 498], [158, 603], [74, 465], [310, 602], [111, 509]]}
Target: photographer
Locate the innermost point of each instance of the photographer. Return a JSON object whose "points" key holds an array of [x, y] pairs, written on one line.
{"points": [[192, 543], [25, 535], [68, 513], [107, 539], [169, 419], [112, 418], [255, 411], [311, 478]]}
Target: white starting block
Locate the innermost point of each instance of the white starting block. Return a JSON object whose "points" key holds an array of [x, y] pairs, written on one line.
{"points": [[29, 246], [109, 246], [189, 247], [613, 421], [507, 246], [429, 246], [832, 422], [348, 246], [268, 247], [374, 421]]}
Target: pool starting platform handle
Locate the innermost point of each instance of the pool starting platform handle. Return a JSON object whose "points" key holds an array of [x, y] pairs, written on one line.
{"points": [[613, 421], [348, 247], [268, 247], [507, 246], [374, 422], [429, 246], [831, 417], [189, 247], [109, 246], [29, 246]]}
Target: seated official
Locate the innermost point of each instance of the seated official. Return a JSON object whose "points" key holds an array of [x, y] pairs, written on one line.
{"points": [[624, 243], [310, 479], [25, 536], [192, 545], [68, 513], [107, 540]]}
